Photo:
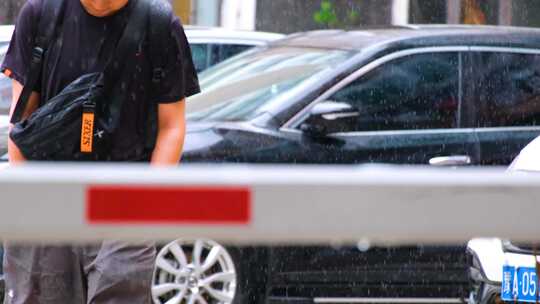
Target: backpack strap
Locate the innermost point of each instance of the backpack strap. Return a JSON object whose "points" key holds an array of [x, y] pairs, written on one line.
{"points": [[121, 62], [161, 14], [48, 23], [160, 30]]}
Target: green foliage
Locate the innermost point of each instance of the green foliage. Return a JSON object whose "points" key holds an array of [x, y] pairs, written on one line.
{"points": [[353, 16], [328, 17]]}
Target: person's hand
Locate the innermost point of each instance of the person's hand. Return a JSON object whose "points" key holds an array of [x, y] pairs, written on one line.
{"points": [[14, 154]]}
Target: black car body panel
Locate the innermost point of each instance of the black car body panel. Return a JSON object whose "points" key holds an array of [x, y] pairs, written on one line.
{"points": [[271, 140], [255, 145]]}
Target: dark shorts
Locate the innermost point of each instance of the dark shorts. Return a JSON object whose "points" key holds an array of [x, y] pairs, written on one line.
{"points": [[112, 272]]}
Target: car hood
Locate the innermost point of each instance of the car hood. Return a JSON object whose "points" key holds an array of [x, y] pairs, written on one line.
{"points": [[193, 127], [219, 141], [196, 126]]}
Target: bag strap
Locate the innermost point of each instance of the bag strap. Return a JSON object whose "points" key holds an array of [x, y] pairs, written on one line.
{"points": [[121, 61], [160, 29], [48, 23]]}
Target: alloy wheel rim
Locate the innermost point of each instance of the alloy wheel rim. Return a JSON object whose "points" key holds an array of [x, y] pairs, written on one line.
{"points": [[193, 272]]}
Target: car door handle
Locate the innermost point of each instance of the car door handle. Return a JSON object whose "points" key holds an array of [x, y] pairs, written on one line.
{"points": [[454, 160]]}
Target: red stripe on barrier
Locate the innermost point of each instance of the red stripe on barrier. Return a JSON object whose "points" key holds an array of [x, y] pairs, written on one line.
{"points": [[157, 205]]}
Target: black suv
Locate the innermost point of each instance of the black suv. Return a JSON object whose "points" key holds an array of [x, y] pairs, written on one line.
{"points": [[439, 95]]}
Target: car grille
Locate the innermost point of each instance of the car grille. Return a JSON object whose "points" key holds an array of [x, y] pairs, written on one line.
{"points": [[404, 272]]}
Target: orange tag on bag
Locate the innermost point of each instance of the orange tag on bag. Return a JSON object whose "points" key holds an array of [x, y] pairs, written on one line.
{"points": [[87, 132]]}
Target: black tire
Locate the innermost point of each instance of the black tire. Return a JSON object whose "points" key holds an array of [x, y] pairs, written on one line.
{"points": [[251, 265]]}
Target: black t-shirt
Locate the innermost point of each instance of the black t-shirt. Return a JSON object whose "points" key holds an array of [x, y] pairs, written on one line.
{"points": [[85, 44]]}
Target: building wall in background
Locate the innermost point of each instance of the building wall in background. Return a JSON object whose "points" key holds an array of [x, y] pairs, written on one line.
{"points": [[237, 14], [206, 13], [287, 16], [9, 9], [433, 11], [299, 15], [292, 15], [525, 12], [182, 8]]}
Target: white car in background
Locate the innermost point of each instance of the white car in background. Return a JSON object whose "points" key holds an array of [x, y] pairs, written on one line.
{"points": [[211, 45], [5, 86], [503, 271], [5, 34]]}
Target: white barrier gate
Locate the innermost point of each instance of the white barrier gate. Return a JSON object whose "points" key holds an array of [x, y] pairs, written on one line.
{"points": [[266, 204]]}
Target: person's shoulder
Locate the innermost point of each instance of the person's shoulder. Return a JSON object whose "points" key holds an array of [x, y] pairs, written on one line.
{"points": [[162, 17], [32, 9], [160, 9], [28, 19]]}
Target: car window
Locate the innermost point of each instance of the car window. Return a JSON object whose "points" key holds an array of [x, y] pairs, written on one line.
{"points": [[229, 50], [222, 52], [200, 56], [415, 92], [214, 56], [242, 87], [508, 89], [207, 55]]}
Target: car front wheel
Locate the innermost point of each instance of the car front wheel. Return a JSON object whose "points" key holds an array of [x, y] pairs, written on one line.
{"points": [[204, 272]]}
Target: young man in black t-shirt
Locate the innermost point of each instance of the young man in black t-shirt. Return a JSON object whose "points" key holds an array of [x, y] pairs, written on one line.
{"points": [[112, 272]]}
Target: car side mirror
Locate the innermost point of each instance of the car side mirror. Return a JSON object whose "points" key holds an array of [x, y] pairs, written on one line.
{"points": [[328, 117]]}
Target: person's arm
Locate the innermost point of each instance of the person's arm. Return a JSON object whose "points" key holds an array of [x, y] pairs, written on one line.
{"points": [[179, 83], [171, 133], [15, 155], [17, 60]]}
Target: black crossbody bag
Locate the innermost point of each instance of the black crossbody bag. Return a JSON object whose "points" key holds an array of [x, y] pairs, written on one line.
{"points": [[78, 123]]}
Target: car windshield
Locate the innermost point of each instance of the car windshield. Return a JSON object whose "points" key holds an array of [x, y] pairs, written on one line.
{"points": [[240, 88]]}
